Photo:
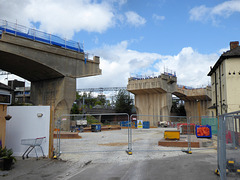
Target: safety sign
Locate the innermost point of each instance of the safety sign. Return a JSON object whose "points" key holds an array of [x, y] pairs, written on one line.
{"points": [[139, 124]]}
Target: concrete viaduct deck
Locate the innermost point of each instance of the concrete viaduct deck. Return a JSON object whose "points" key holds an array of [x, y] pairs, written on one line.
{"points": [[153, 96], [52, 70]]}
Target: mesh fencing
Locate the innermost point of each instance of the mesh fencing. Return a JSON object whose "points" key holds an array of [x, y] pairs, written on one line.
{"points": [[229, 145], [90, 133], [174, 132], [134, 134]]}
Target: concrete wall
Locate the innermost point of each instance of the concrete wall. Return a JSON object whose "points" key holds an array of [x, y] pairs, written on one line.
{"points": [[25, 124]]}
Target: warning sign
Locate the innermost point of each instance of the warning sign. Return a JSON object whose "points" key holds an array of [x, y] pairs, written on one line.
{"points": [[139, 124]]}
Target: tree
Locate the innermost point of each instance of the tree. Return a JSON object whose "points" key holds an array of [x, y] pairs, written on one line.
{"points": [[75, 109], [124, 103], [178, 109]]}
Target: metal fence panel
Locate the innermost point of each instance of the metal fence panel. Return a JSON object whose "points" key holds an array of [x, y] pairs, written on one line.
{"points": [[229, 145], [212, 121], [73, 135], [205, 131], [189, 140], [147, 132]]}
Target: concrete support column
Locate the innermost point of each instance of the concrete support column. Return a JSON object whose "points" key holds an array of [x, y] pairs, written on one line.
{"points": [[153, 105], [59, 93], [196, 109]]}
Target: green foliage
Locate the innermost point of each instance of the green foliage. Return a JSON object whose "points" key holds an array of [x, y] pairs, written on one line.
{"points": [[6, 154], [98, 103], [92, 120], [178, 109], [88, 101], [102, 99], [75, 109], [78, 96], [124, 103]]}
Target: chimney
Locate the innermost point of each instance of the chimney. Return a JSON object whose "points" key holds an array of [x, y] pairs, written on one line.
{"points": [[234, 44]]}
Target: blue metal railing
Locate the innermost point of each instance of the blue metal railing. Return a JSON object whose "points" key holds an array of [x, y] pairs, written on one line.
{"points": [[36, 35]]}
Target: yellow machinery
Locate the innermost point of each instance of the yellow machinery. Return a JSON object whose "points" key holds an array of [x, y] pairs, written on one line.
{"points": [[171, 134]]}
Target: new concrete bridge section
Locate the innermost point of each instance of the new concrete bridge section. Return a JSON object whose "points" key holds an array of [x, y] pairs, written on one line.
{"points": [[153, 96], [52, 70], [196, 101]]}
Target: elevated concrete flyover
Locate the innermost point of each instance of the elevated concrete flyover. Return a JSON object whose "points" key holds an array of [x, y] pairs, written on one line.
{"points": [[153, 96], [196, 101], [52, 70]]}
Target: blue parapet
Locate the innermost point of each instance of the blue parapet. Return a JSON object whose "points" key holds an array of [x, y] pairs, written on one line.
{"points": [[36, 35]]}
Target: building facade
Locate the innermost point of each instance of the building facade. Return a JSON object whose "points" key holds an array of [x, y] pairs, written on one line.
{"points": [[20, 93], [225, 81]]}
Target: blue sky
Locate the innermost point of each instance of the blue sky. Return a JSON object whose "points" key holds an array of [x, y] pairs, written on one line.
{"points": [[141, 36]]}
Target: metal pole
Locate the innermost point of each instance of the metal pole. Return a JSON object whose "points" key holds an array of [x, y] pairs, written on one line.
{"points": [[223, 154], [16, 28], [188, 134], [5, 25], [129, 135]]}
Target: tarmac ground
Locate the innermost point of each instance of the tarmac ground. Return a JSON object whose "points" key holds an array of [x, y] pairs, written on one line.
{"points": [[195, 166], [102, 156]]}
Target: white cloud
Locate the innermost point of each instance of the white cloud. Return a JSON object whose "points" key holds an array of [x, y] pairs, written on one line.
{"points": [[134, 19], [63, 17], [199, 13], [191, 67], [225, 9], [66, 17], [117, 62], [158, 18]]}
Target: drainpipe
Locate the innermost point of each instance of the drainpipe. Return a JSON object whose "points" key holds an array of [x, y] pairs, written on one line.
{"points": [[220, 87], [216, 93]]}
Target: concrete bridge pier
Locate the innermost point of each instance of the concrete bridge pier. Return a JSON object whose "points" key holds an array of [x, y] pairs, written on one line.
{"points": [[59, 92], [153, 105], [153, 97], [197, 108]]}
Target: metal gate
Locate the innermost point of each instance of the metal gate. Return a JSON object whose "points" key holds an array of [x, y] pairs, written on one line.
{"points": [[148, 138], [73, 136], [229, 145], [187, 129]]}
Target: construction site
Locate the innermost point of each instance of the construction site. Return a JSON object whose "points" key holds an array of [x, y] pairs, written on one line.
{"points": [[128, 146]]}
